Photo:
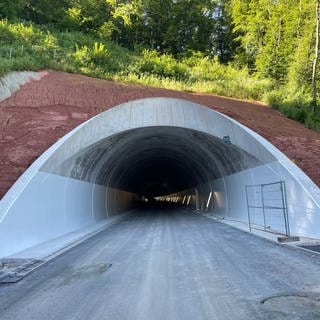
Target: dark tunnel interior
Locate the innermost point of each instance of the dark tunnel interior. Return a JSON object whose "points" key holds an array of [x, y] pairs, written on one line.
{"points": [[158, 161]]}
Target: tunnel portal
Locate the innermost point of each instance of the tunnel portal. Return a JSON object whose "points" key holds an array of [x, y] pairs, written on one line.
{"points": [[158, 149]]}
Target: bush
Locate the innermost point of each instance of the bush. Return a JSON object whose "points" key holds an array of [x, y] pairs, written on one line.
{"points": [[82, 55], [274, 97], [164, 65], [6, 36], [99, 53], [295, 105], [313, 121]]}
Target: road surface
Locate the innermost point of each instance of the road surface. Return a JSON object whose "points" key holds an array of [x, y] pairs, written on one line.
{"points": [[169, 264]]}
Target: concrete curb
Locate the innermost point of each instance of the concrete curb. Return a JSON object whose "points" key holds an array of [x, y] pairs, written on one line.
{"points": [[12, 81], [293, 246], [30, 264]]}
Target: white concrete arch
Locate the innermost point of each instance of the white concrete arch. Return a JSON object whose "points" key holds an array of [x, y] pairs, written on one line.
{"points": [[149, 148]]}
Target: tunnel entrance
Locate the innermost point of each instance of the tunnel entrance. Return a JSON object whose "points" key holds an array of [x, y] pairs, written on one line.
{"points": [[159, 163], [157, 149]]}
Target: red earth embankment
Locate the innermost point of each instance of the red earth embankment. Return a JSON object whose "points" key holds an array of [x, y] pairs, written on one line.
{"points": [[41, 112]]}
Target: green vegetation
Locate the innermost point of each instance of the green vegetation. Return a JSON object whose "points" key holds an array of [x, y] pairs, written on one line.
{"points": [[28, 46], [250, 49]]}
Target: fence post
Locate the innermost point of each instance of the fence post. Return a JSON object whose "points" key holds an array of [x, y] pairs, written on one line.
{"points": [[10, 53], [285, 207], [263, 208], [249, 220]]}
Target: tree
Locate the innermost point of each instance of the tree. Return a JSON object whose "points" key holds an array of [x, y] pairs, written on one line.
{"points": [[223, 41], [11, 9], [275, 36], [300, 67], [44, 11], [279, 40], [87, 15], [315, 59], [250, 22]]}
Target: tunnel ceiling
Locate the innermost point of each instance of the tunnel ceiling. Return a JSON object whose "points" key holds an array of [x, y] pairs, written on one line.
{"points": [[155, 161]]}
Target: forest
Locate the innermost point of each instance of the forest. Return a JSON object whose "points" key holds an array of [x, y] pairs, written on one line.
{"points": [[262, 50]]}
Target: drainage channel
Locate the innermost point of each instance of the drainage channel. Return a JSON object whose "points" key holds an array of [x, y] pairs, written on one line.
{"points": [[311, 247]]}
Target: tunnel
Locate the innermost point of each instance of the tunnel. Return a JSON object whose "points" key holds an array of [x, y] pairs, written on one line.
{"points": [[155, 150], [154, 162]]}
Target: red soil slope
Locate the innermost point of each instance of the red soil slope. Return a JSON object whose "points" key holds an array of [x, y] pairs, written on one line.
{"points": [[41, 112]]}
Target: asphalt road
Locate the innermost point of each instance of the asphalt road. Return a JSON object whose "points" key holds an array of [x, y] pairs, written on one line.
{"points": [[169, 264]]}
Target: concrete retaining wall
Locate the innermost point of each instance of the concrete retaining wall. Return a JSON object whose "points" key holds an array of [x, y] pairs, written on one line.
{"points": [[12, 81]]}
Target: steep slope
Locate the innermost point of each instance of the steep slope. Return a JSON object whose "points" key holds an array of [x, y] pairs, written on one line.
{"points": [[41, 112]]}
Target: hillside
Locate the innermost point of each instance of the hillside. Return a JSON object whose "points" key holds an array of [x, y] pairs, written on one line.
{"points": [[29, 46], [41, 112]]}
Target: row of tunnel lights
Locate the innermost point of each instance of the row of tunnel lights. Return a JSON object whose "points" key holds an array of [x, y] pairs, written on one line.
{"points": [[184, 201]]}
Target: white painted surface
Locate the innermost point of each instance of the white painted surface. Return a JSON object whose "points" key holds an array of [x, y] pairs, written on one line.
{"points": [[50, 249], [303, 211], [49, 207]]}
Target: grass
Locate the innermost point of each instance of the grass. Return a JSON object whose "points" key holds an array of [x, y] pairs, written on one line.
{"points": [[26, 46]]}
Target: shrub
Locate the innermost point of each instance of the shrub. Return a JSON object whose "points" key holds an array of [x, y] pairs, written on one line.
{"points": [[274, 97], [99, 53], [163, 65], [25, 33], [50, 41], [6, 35], [313, 121], [82, 55]]}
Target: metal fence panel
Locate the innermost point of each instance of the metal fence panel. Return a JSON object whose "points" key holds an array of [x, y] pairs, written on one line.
{"points": [[267, 207]]}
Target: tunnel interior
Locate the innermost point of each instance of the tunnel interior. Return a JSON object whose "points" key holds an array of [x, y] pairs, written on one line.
{"points": [[159, 163]]}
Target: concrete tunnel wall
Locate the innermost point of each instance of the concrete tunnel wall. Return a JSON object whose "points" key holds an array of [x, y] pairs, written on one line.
{"points": [[151, 148]]}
